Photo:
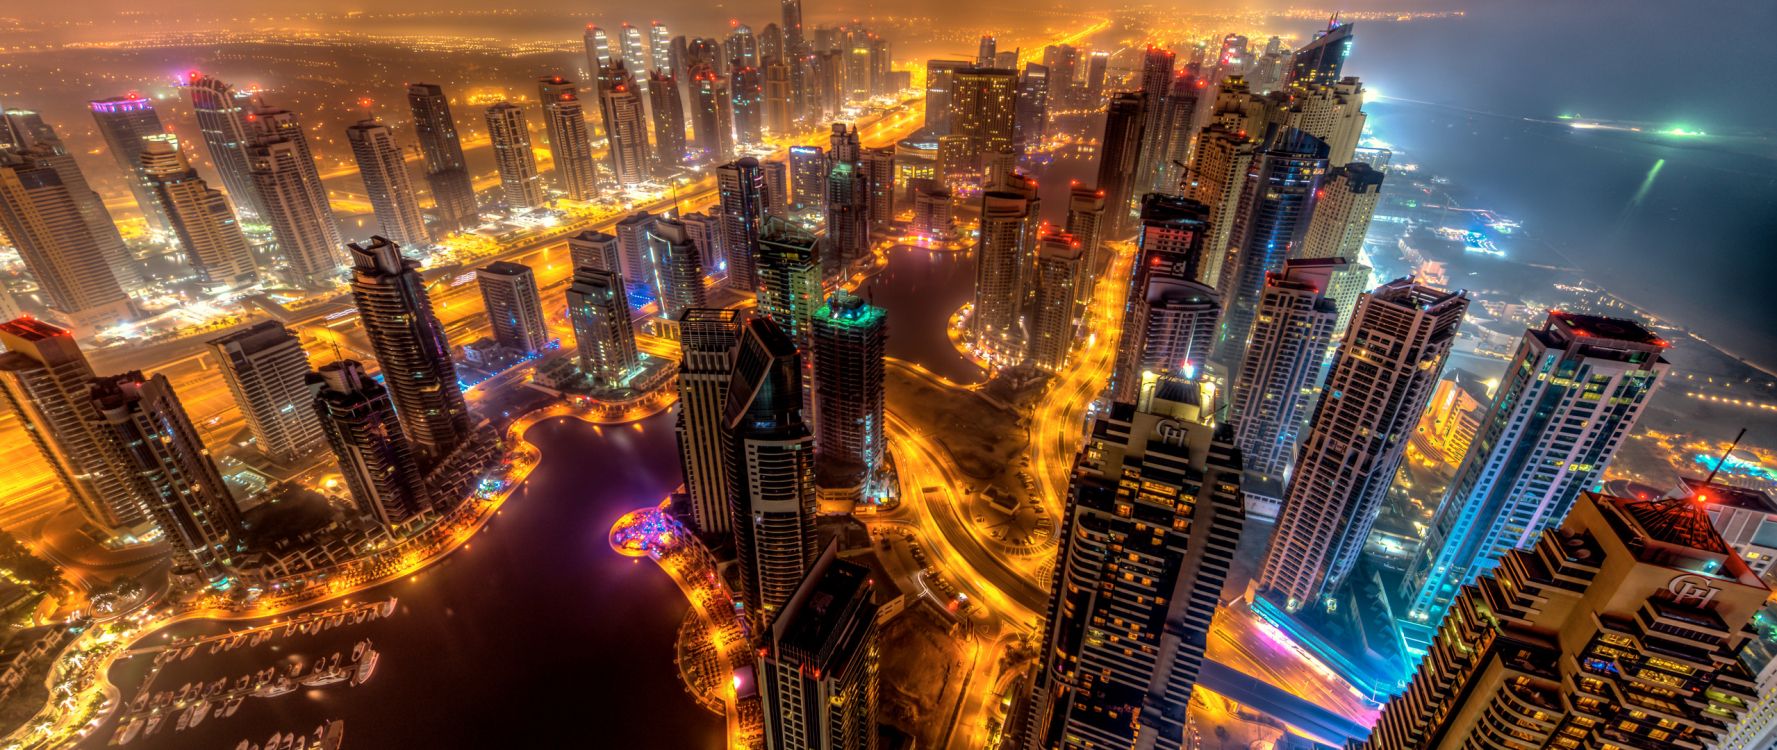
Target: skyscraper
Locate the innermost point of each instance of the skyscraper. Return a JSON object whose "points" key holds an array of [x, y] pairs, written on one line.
{"points": [[848, 214], [677, 266], [1379, 383], [595, 249], [514, 306], [706, 345], [777, 187], [198, 215], [789, 271], [1095, 72], [740, 185], [705, 231], [818, 666], [808, 178], [1085, 214], [1573, 392], [1331, 111], [1060, 270], [379, 465], [292, 198], [1170, 250], [1063, 63], [746, 88], [520, 183], [410, 346], [41, 147], [626, 131], [128, 123], [1342, 213], [383, 166], [447, 173], [984, 56], [636, 53], [598, 308], [1032, 116], [598, 48], [1275, 204], [1128, 622], [632, 242], [41, 216], [1008, 238], [779, 119], [222, 119], [46, 381], [171, 473], [1618, 629], [849, 339], [1276, 378], [1156, 86], [770, 468], [669, 122], [707, 95], [1174, 128], [984, 107], [264, 365], [940, 83], [1118, 165], [1217, 176], [570, 147], [878, 166], [1323, 59]]}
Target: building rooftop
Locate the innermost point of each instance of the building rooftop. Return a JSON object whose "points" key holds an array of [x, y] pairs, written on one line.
{"points": [[506, 268], [1716, 493], [815, 621], [1597, 326], [32, 329]]}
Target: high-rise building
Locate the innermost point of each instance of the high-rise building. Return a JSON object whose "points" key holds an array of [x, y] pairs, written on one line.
{"points": [[940, 83], [1032, 116], [595, 249], [1095, 73], [1218, 174], [1275, 204], [380, 467], [706, 345], [410, 347], [984, 109], [777, 187], [1008, 238], [669, 122], [1342, 213], [41, 215], [198, 215], [1085, 214], [40, 146], [264, 365], [598, 308], [848, 214], [46, 380], [1332, 112], [1276, 378], [740, 186], [1063, 63], [447, 174], [636, 53], [292, 198], [570, 146], [1055, 306], [984, 57], [520, 183], [677, 266], [705, 231], [1380, 381], [128, 123], [1175, 320], [932, 213], [746, 87], [849, 339], [779, 119], [514, 306], [789, 270], [1155, 87], [165, 462], [383, 166], [707, 93], [843, 144], [1128, 622], [1323, 59], [808, 178], [632, 242], [818, 665], [626, 132], [770, 467], [1570, 397], [222, 120], [1118, 162], [598, 48], [660, 48], [1170, 250], [1174, 128], [878, 166], [1617, 629]]}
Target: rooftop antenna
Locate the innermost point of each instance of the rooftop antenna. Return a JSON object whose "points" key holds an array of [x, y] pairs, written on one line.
{"points": [[1724, 456]]}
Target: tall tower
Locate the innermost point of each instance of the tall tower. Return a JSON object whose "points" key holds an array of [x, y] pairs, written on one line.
{"points": [[1342, 214], [520, 183], [1085, 214], [746, 87], [1277, 377], [1008, 238], [1572, 394], [1216, 178], [669, 122], [777, 187], [598, 308], [706, 117], [626, 129], [770, 467], [222, 120], [1574, 638], [636, 54], [1118, 161], [818, 666], [779, 118], [198, 215], [984, 106], [379, 465], [741, 188], [677, 267], [598, 48], [292, 199], [171, 472], [1321, 60], [848, 214], [632, 242], [570, 148], [1275, 204], [1033, 106], [514, 306], [1156, 87], [789, 272], [447, 174], [39, 145], [1171, 250], [1128, 623], [940, 83], [1174, 127], [410, 346], [984, 55], [878, 166], [40, 214], [808, 178], [383, 167], [1380, 381], [849, 339], [1059, 272], [595, 249], [128, 123], [265, 368], [46, 380], [706, 345], [1332, 112]]}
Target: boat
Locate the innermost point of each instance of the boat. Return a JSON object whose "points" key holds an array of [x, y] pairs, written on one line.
{"points": [[141, 702], [331, 735], [198, 713], [218, 686], [358, 650], [302, 741], [154, 721], [184, 720], [277, 738], [388, 608], [186, 654], [233, 704], [281, 686], [366, 667], [126, 732]]}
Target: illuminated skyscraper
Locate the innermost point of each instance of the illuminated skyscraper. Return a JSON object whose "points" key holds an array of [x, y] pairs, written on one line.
{"points": [[514, 306], [746, 86], [598, 49], [789, 270], [660, 49], [1165, 297], [1032, 116], [1321, 60], [41, 215], [777, 187], [1617, 629], [378, 463], [1175, 126], [1275, 204], [222, 119], [520, 183], [808, 178], [265, 367], [166, 463], [40, 146], [383, 166], [1118, 162], [1380, 381], [447, 174], [706, 345], [984, 106], [1156, 86], [1008, 238], [632, 243], [1216, 178], [595, 249], [849, 337], [1332, 112], [1085, 214], [570, 147], [878, 166], [198, 215], [1342, 213], [985, 55], [1277, 377], [1095, 72], [669, 122], [128, 123], [410, 346], [598, 308], [770, 468], [1127, 623], [626, 132], [848, 214], [636, 53], [1570, 397], [292, 197], [740, 185], [1060, 270], [707, 104], [777, 113], [1063, 63], [705, 231], [818, 665], [677, 267], [940, 83]]}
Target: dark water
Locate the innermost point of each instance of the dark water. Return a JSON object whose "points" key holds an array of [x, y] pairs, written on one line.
{"points": [[920, 289], [538, 635]]}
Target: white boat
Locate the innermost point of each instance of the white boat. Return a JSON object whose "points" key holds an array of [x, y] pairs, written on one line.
{"points": [[233, 704], [281, 686], [366, 667], [325, 678], [198, 713], [388, 608], [154, 721], [358, 650], [186, 654], [330, 736], [184, 720], [277, 738], [127, 732]]}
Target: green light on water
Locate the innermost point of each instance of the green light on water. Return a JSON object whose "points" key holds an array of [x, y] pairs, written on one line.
{"points": [[1682, 132], [1565, 116]]}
